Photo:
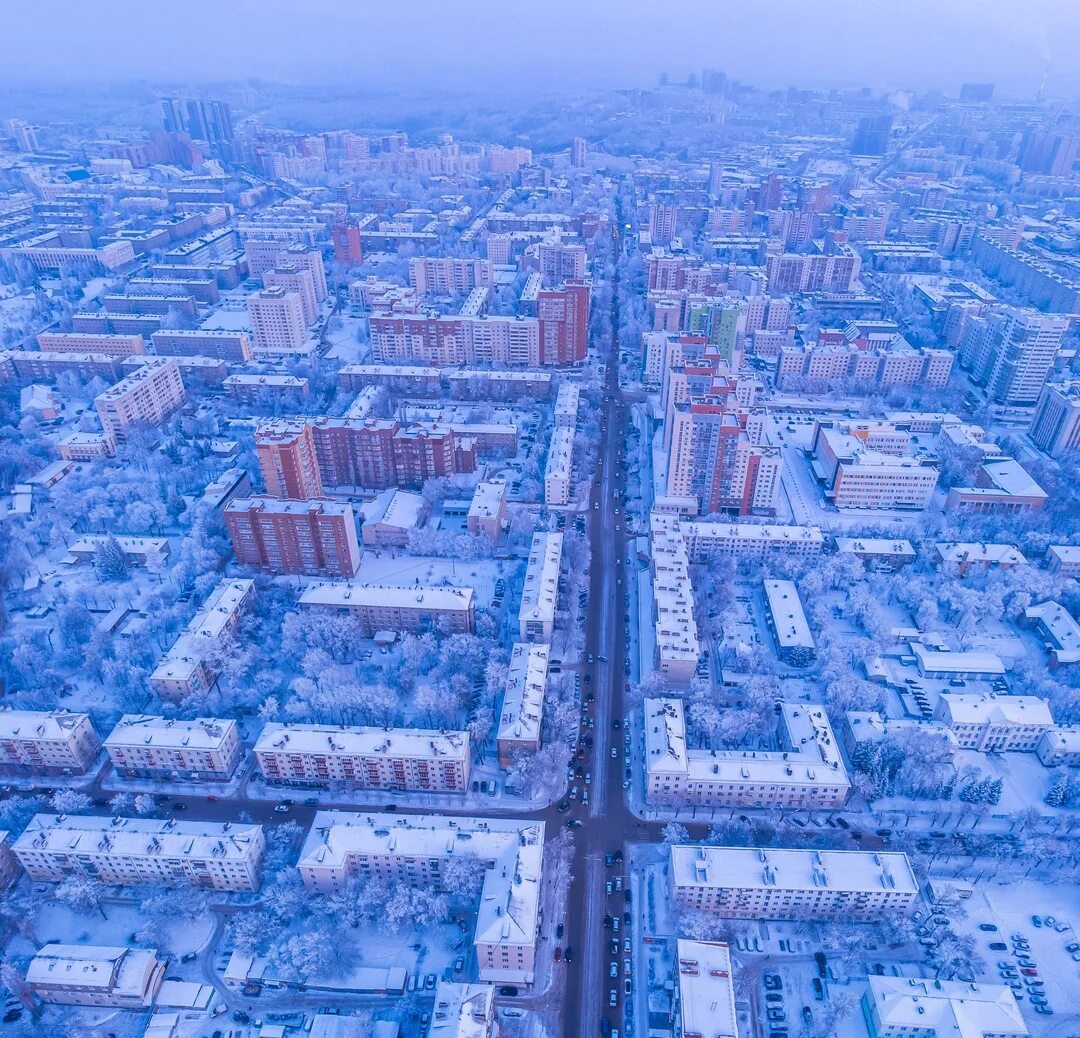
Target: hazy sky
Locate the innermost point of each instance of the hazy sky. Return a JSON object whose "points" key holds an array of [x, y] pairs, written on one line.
{"points": [[552, 43]]}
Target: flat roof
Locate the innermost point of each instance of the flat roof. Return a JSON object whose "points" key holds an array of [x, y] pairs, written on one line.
{"points": [[389, 596], [706, 989], [875, 546], [931, 660], [975, 708], [40, 725], [789, 619], [509, 910], [676, 629], [541, 587], [140, 730], [945, 1007], [523, 700], [486, 500], [959, 552], [138, 837], [745, 868], [361, 741]]}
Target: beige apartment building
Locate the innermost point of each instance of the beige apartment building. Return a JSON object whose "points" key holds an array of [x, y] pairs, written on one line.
{"points": [[278, 328], [382, 607], [487, 510], [403, 759], [142, 851], [540, 594], [186, 669], [145, 746], [47, 741], [91, 975], [806, 771], [522, 713], [149, 395], [770, 883], [415, 849]]}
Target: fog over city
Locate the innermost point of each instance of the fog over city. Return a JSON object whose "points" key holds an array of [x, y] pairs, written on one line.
{"points": [[560, 44]]}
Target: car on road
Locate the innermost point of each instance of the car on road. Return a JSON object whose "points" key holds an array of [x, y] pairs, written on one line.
{"points": [[281, 808], [607, 887], [1028, 971], [627, 945], [613, 998], [988, 927], [614, 752], [613, 970], [508, 990], [999, 946], [627, 986], [564, 806], [560, 930], [568, 955]]}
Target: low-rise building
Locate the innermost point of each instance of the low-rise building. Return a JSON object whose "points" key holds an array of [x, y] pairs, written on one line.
{"points": [[390, 517], [151, 746], [808, 773], [705, 990], [995, 724], [464, 1011], [403, 759], [416, 848], [918, 1007], [47, 742], [256, 387], [941, 663], [523, 701], [88, 975], [677, 646], [540, 594], [138, 551], [1063, 559], [884, 553], [748, 542], [87, 446], [487, 510], [142, 851], [977, 557], [772, 883], [790, 629], [187, 667], [1058, 629], [406, 610], [1059, 747], [566, 404], [1001, 485], [559, 472]]}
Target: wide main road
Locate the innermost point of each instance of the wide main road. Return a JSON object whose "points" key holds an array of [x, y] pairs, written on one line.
{"points": [[607, 821]]}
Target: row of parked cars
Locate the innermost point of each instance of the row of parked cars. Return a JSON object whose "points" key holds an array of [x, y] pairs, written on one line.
{"points": [[1023, 975]]}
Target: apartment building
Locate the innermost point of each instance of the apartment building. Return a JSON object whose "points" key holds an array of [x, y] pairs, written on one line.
{"points": [[87, 446], [879, 368], [409, 609], [676, 633], [995, 724], [706, 542], [481, 383], [1010, 353], [1063, 559], [880, 553], [142, 851], [149, 395], [152, 746], [137, 551], [390, 517], [522, 714], [711, 459], [187, 667], [92, 342], [1055, 425], [560, 262], [447, 275], [401, 759], [233, 347], [9, 867], [297, 281], [93, 975], [559, 470], [288, 460], [50, 742], [787, 622], [805, 771], [252, 388], [278, 327], [315, 538], [487, 510], [415, 850], [796, 272], [704, 990], [771, 883], [540, 594]]}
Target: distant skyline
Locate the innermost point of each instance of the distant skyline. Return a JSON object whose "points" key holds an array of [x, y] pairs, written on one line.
{"points": [[566, 44]]}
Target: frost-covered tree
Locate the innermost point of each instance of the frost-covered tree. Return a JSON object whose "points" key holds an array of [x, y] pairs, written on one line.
{"points": [[82, 894]]}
